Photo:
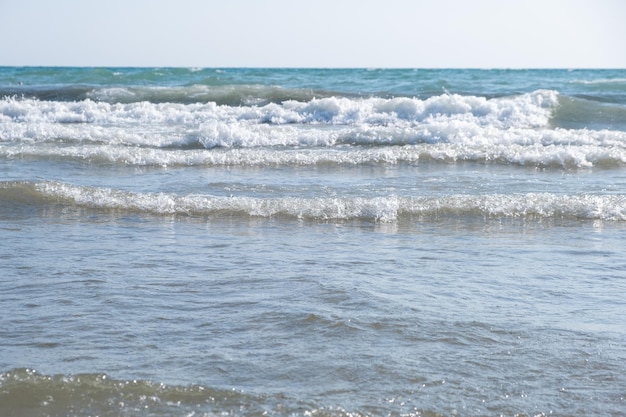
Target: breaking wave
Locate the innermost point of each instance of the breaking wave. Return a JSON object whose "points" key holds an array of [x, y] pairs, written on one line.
{"points": [[534, 129], [378, 209]]}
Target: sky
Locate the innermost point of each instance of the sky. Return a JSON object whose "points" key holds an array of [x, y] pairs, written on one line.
{"points": [[315, 33]]}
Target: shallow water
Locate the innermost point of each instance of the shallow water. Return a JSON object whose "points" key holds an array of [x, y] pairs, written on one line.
{"points": [[357, 255]]}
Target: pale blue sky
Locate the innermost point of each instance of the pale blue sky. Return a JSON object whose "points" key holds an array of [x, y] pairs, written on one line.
{"points": [[315, 33]]}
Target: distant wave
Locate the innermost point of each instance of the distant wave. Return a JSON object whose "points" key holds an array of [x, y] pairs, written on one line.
{"points": [[614, 81], [231, 95], [378, 209]]}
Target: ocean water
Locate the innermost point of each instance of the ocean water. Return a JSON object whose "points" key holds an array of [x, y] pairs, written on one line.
{"points": [[312, 242]]}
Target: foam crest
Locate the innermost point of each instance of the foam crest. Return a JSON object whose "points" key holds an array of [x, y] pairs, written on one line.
{"points": [[529, 110], [560, 149], [378, 209], [516, 130]]}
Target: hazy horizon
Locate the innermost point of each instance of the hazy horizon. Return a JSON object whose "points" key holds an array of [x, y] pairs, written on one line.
{"points": [[483, 34]]}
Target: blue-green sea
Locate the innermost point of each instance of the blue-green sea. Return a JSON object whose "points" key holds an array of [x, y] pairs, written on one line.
{"points": [[312, 242]]}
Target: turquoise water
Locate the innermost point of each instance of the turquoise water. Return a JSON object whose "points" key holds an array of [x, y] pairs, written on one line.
{"points": [[312, 242]]}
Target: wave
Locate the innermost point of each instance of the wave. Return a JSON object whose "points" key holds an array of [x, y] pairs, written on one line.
{"points": [[541, 129], [527, 110], [230, 95], [378, 209], [588, 113], [607, 81], [26, 392], [551, 155]]}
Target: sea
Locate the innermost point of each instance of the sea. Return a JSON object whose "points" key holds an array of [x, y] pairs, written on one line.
{"points": [[312, 242]]}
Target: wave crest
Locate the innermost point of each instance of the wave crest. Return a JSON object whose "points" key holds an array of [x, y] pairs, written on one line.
{"points": [[527, 110], [530, 129], [378, 209]]}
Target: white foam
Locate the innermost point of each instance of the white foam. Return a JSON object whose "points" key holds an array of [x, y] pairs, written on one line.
{"points": [[512, 130], [383, 208], [565, 156], [528, 110]]}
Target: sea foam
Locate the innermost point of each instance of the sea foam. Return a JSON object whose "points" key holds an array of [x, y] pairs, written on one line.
{"points": [[518, 130], [527, 110], [609, 207]]}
